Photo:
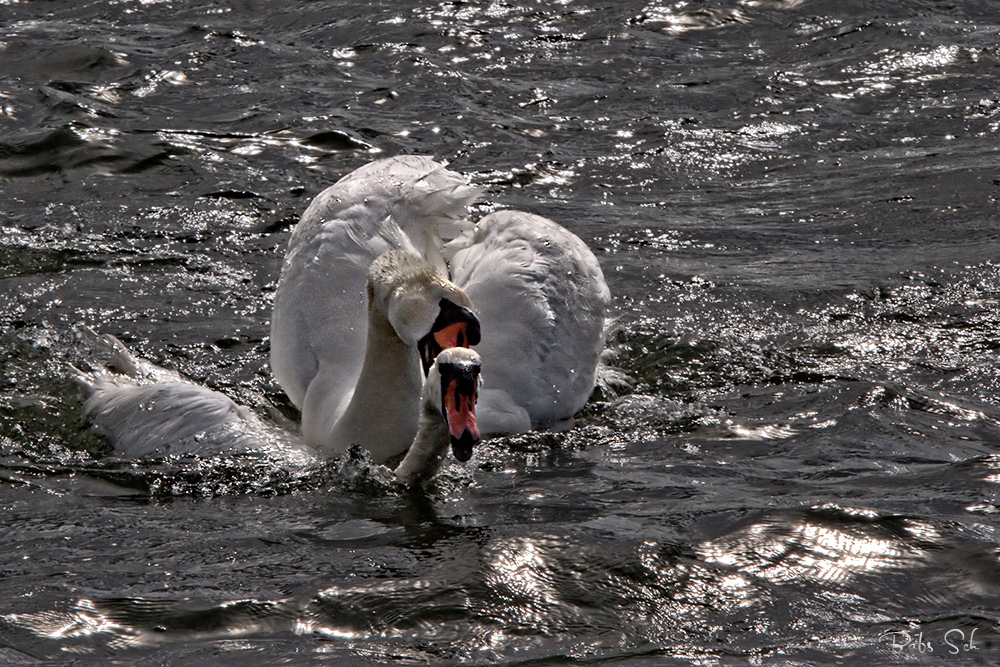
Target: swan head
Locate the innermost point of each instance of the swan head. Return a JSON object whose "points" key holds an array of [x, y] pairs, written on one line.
{"points": [[425, 309], [455, 326], [451, 389]]}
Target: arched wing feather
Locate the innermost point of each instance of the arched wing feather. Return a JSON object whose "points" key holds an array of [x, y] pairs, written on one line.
{"points": [[542, 300], [318, 324]]}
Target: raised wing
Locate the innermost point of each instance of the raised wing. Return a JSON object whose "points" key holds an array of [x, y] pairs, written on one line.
{"points": [[542, 301], [319, 320]]}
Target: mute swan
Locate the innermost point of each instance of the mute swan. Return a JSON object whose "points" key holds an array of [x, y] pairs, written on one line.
{"points": [[389, 231], [536, 288], [447, 414], [413, 313]]}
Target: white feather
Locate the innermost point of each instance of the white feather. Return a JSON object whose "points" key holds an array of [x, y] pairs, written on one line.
{"points": [[537, 289], [542, 300], [407, 202]]}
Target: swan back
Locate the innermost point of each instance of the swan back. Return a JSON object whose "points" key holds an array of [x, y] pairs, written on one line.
{"points": [[542, 300]]}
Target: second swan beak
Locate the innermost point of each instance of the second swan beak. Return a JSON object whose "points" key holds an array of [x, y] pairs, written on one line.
{"points": [[459, 392]]}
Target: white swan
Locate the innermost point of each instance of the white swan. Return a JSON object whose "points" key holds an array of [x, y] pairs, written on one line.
{"points": [[447, 415], [146, 410], [409, 303], [537, 290], [388, 231], [171, 416]]}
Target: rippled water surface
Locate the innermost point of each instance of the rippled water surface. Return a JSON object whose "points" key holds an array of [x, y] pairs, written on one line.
{"points": [[794, 202]]}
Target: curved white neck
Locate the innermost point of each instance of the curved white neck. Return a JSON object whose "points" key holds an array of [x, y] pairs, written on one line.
{"points": [[377, 416], [429, 446]]}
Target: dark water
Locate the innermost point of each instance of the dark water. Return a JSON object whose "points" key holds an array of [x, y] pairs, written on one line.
{"points": [[795, 204]]}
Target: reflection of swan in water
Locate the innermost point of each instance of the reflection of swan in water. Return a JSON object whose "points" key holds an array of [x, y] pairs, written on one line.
{"points": [[536, 288]]}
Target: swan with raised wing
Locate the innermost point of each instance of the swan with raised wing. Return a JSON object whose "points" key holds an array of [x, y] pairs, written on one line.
{"points": [[536, 288], [363, 312]]}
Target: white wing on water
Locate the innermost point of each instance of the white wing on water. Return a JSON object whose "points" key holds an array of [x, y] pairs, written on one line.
{"points": [[145, 410]]}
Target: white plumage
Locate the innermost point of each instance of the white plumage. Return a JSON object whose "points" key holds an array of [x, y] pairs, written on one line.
{"points": [[536, 288], [145, 410], [541, 300], [318, 324]]}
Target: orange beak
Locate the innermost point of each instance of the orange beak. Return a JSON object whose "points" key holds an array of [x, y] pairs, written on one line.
{"points": [[455, 326], [459, 402], [453, 335]]}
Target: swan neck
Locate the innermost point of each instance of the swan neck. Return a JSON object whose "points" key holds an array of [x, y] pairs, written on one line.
{"points": [[429, 447], [381, 413]]}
